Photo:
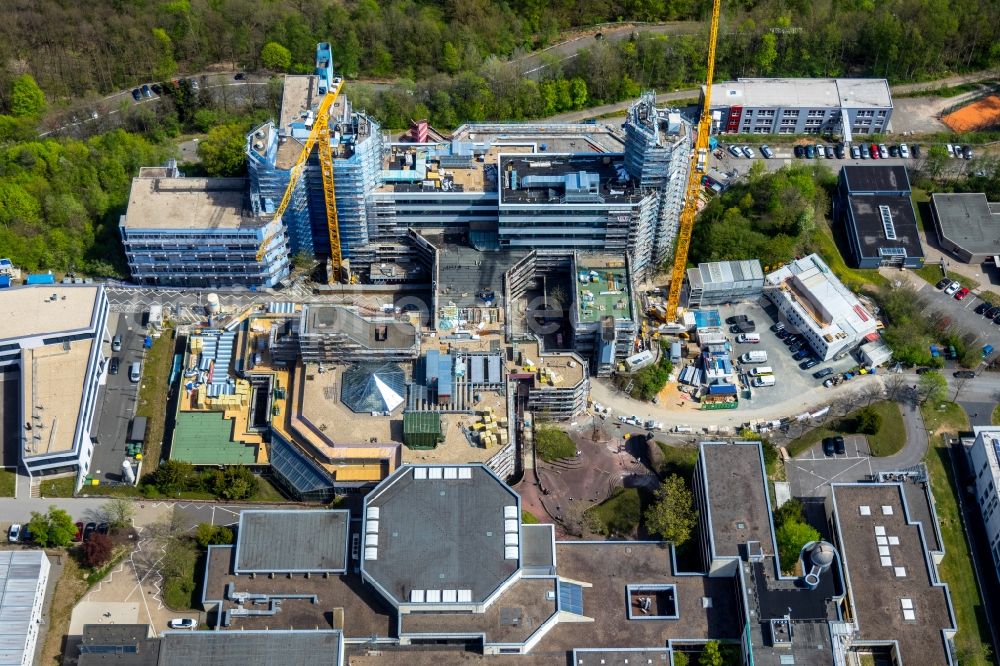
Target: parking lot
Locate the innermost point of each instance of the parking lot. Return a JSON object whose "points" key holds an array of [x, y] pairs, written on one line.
{"points": [[790, 379], [961, 312], [811, 474]]}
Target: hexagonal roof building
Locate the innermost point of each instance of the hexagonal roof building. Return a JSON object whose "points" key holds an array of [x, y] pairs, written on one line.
{"points": [[441, 537]]}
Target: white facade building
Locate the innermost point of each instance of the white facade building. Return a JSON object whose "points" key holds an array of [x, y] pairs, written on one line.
{"points": [[56, 336], [983, 460], [815, 304], [23, 577]]}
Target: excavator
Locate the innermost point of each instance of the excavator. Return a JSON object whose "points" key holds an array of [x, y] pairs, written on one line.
{"points": [[319, 136], [699, 167]]}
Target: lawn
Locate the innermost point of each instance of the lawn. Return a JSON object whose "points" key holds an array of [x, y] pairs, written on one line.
{"points": [[949, 91], [619, 515], [528, 518], [995, 419], [267, 492], [679, 460], [153, 394], [889, 440], [921, 204], [61, 487], [553, 444], [856, 279], [956, 569], [8, 479], [179, 572]]}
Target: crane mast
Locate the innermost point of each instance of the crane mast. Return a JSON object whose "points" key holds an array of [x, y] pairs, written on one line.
{"points": [[699, 166]]}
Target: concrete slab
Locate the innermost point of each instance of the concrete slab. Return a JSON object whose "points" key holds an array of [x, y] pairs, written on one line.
{"points": [[103, 612]]}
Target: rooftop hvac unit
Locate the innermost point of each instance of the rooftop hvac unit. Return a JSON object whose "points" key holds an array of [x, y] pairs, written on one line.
{"points": [[433, 596], [371, 554], [416, 596], [371, 527], [510, 511], [464, 596], [449, 596], [510, 525], [259, 145], [371, 540], [373, 513], [510, 553]]}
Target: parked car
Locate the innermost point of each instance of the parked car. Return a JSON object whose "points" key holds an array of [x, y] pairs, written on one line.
{"points": [[103, 528], [829, 152], [893, 151], [961, 293], [239, 76], [828, 382], [863, 150], [801, 354], [950, 148], [952, 288], [157, 88], [942, 283], [88, 531], [873, 149], [883, 151], [828, 448], [996, 319], [79, 531], [766, 152], [777, 326], [748, 151], [809, 363], [146, 92], [916, 150], [26, 535], [904, 151], [183, 623], [963, 374], [839, 151], [982, 308], [114, 366], [825, 372], [993, 312], [855, 153], [14, 533], [820, 150], [194, 84], [116, 343], [136, 94], [734, 151], [838, 445], [923, 371], [782, 334], [810, 151], [967, 152], [793, 339], [799, 151], [735, 319]]}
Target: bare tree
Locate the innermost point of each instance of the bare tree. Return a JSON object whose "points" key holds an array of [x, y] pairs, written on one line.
{"points": [[895, 386], [871, 393], [958, 385], [118, 511]]}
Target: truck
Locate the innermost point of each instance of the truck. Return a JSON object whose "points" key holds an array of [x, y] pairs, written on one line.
{"points": [[767, 380], [675, 353], [748, 338], [754, 357], [762, 371]]}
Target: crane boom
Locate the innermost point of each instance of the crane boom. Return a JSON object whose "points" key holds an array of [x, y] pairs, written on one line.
{"points": [[318, 135], [699, 165]]}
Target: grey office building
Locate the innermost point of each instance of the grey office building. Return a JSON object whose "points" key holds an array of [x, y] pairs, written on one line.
{"points": [[724, 282], [968, 226], [801, 106]]}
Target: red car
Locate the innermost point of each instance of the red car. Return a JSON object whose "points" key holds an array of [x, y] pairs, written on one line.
{"points": [[874, 152], [79, 532], [961, 293]]}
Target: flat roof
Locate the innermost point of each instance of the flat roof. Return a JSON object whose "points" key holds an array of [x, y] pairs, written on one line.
{"points": [[604, 294], [20, 574], [881, 178], [299, 94], [804, 92], [869, 213], [736, 497], [251, 648], [728, 272], [380, 333], [885, 579], [567, 366], [52, 386], [100, 639], [538, 545], [551, 175], [206, 438], [187, 204], [441, 528], [364, 613], [969, 221], [30, 311], [292, 540]]}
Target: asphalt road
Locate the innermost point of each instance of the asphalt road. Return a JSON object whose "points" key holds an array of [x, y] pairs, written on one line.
{"points": [[117, 400]]}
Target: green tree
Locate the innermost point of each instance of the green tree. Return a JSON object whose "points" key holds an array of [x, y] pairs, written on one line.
{"points": [[208, 534], [931, 387], [118, 512], [937, 157], [26, 98], [221, 152], [165, 63], [276, 57], [578, 92], [681, 659], [791, 536], [172, 476], [53, 528], [672, 515], [869, 421], [236, 483], [711, 655], [767, 52], [451, 61]]}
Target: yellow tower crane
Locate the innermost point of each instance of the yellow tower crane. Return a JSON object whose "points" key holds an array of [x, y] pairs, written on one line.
{"points": [[319, 137], [699, 165]]}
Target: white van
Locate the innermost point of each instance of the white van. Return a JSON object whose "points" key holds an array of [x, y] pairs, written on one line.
{"points": [[754, 357], [767, 380], [761, 371], [135, 372], [748, 338], [683, 428]]}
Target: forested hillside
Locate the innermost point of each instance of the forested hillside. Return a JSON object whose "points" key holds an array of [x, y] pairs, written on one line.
{"points": [[75, 48]]}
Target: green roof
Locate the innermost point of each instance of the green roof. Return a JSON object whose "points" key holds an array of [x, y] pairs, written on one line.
{"points": [[421, 422], [205, 438]]}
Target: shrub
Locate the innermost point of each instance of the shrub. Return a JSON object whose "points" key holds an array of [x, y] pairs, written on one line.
{"points": [[97, 550], [208, 534], [53, 528], [869, 421], [553, 444]]}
